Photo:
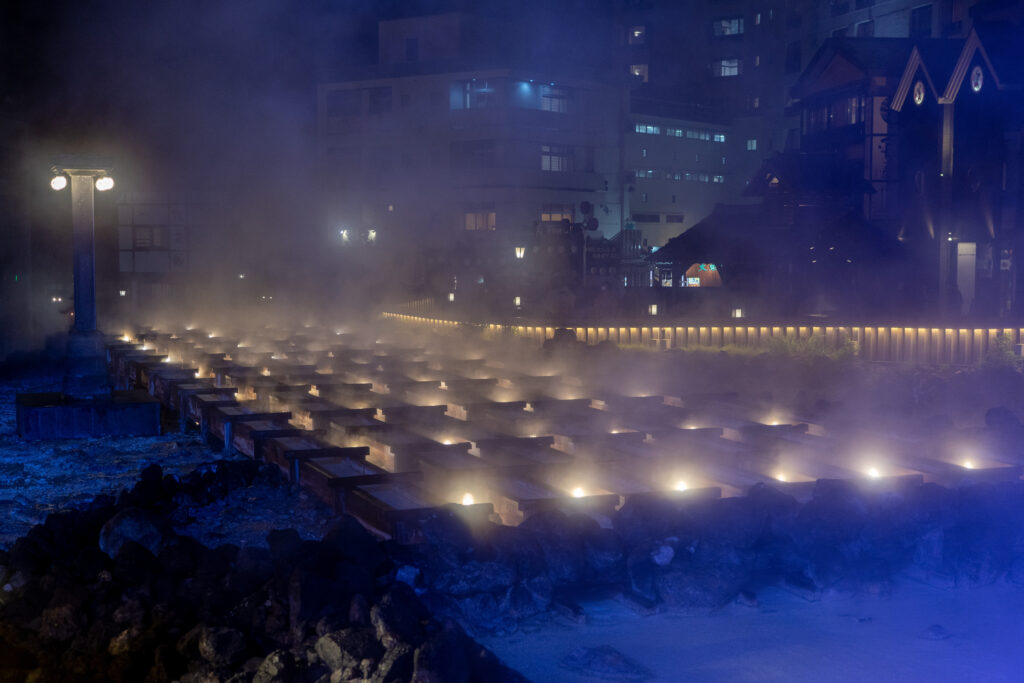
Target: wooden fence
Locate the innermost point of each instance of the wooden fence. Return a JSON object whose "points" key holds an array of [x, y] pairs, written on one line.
{"points": [[930, 345]]}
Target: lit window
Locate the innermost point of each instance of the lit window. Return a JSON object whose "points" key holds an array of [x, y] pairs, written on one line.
{"points": [[757, 19], [554, 158], [675, 132], [724, 68], [647, 129], [637, 35], [719, 137], [643, 197], [755, 103], [752, 144], [728, 27], [639, 71], [480, 220], [554, 99], [652, 309], [643, 152], [554, 213], [719, 179]]}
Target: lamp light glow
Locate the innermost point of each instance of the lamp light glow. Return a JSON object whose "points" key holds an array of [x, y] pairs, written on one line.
{"points": [[467, 499], [59, 182], [680, 485], [578, 492], [874, 473], [104, 183]]}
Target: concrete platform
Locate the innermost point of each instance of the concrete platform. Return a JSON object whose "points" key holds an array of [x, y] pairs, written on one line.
{"points": [[56, 416]]}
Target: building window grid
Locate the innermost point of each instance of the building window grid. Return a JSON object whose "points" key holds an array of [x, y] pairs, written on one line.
{"points": [[554, 99], [727, 68], [730, 26], [554, 213], [554, 158]]}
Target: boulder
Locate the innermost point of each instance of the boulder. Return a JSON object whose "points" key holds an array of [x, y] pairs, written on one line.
{"points": [[221, 646], [347, 539], [396, 666], [131, 524], [397, 617], [604, 662], [276, 667], [348, 647]]}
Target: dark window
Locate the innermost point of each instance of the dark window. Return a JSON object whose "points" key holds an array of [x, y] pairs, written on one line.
{"points": [[793, 57], [472, 154], [647, 217], [861, 4], [921, 22], [412, 49], [474, 94], [344, 103], [840, 7], [380, 100], [840, 32], [866, 29], [674, 218]]}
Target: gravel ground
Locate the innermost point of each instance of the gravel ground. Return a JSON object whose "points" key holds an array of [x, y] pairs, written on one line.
{"points": [[39, 477]]}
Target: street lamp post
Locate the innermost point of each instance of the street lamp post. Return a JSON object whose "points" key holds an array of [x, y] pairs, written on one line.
{"points": [[86, 375]]}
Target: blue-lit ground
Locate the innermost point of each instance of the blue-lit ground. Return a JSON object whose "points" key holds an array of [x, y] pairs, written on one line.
{"points": [[37, 478], [918, 633]]}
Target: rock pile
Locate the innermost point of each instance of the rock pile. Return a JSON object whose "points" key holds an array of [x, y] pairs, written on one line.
{"points": [[110, 593], [702, 554]]}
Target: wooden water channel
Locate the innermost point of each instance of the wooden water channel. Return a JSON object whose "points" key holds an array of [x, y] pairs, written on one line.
{"points": [[391, 433]]}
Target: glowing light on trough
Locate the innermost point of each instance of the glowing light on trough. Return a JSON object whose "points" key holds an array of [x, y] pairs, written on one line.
{"points": [[467, 499], [578, 492], [968, 464], [873, 472], [680, 486], [781, 477]]}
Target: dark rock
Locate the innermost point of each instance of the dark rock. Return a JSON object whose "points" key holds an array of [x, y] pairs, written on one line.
{"points": [[221, 646], [560, 538], [348, 647], [61, 623], [474, 577], [359, 611], [605, 556], [167, 665], [641, 572], [131, 524], [284, 547], [347, 539], [396, 665], [518, 548], [826, 531], [134, 564], [277, 667], [397, 617], [443, 658], [605, 662], [1001, 418], [180, 556], [711, 578]]}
